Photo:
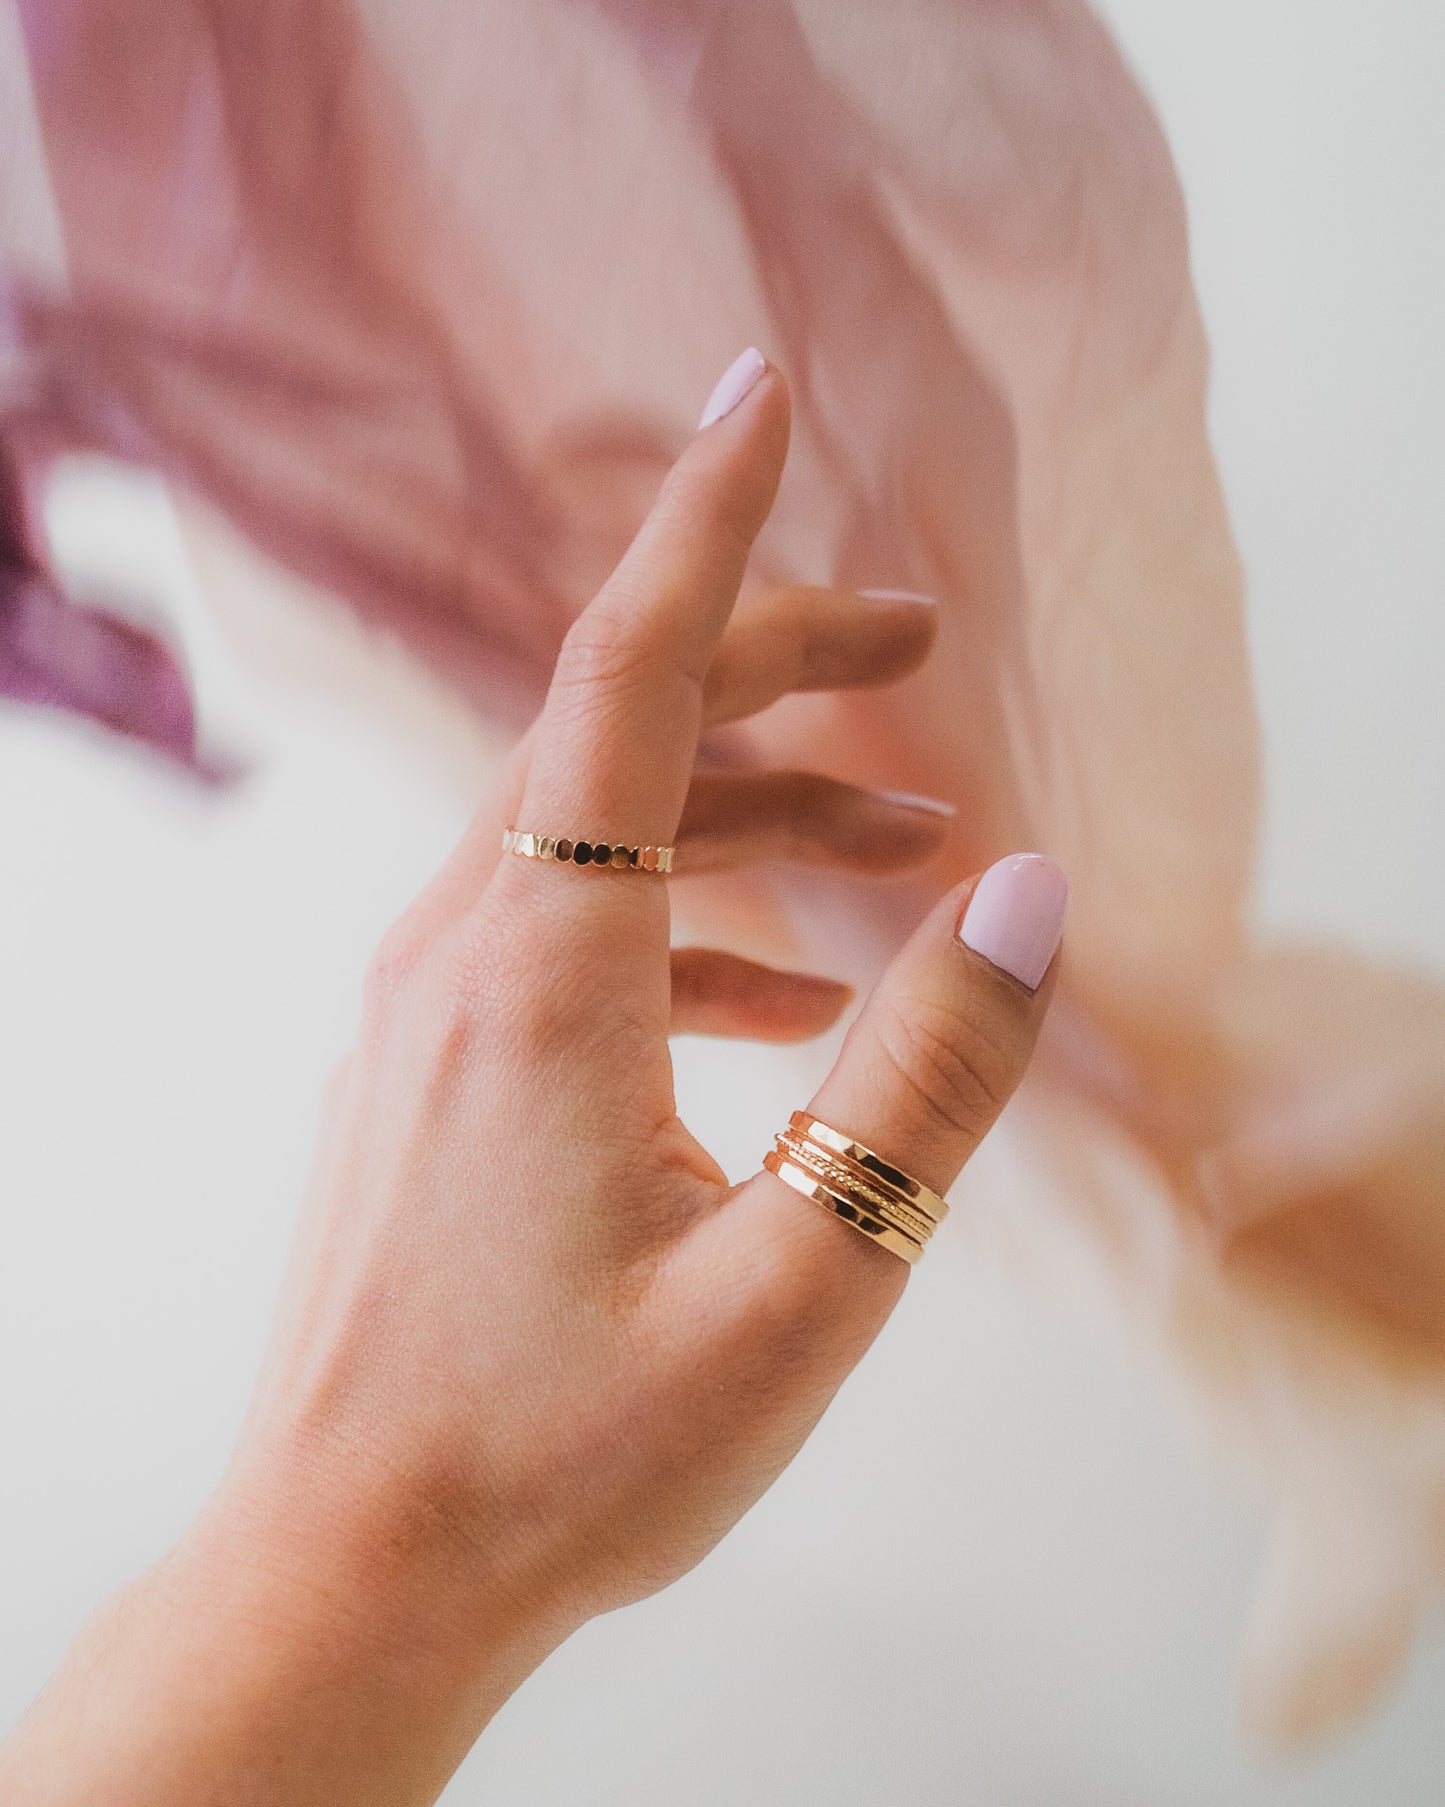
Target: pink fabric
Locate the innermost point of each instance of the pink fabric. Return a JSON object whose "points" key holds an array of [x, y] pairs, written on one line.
{"points": [[57, 654], [424, 294]]}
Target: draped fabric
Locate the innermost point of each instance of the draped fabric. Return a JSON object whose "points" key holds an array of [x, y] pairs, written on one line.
{"points": [[423, 295]]}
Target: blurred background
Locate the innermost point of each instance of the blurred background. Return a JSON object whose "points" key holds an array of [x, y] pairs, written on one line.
{"points": [[999, 1573]]}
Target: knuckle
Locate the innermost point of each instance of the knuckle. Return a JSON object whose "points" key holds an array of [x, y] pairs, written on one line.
{"points": [[442, 984], [949, 1066], [605, 663], [501, 963], [719, 517], [597, 655], [513, 982], [400, 952]]}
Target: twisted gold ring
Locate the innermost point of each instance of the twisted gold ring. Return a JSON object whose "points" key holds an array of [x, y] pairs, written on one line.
{"points": [[587, 853], [879, 1200]]}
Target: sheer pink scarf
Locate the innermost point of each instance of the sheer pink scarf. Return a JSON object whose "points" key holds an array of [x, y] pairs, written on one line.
{"points": [[423, 295]]}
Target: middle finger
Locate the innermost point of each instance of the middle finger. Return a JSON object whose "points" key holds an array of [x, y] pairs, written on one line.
{"points": [[803, 637]]}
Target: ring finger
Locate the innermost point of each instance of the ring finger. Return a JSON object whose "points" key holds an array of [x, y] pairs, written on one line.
{"points": [[732, 820]]}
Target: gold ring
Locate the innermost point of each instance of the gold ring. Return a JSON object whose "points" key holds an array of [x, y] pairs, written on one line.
{"points": [[846, 1179], [879, 1200], [587, 853], [920, 1197], [876, 1229]]}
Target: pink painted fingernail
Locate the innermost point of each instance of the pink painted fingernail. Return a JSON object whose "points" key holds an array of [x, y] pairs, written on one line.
{"points": [[739, 377], [928, 806], [899, 596], [1016, 915]]}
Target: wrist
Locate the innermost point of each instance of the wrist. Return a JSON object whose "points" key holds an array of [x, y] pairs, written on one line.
{"points": [[331, 1556], [316, 1635]]}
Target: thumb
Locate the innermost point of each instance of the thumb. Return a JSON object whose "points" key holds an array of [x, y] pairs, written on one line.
{"points": [[946, 1035], [923, 1075]]}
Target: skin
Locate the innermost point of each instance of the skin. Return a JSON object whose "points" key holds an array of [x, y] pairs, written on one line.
{"points": [[534, 1355]]}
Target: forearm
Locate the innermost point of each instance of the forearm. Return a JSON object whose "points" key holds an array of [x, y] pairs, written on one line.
{"points": [[278, 1655]]}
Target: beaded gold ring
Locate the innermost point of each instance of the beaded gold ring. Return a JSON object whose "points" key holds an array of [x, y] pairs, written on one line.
{"points": [[612, 854]]}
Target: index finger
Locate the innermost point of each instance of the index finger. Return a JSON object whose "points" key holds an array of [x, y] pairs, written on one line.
{"points": [[617, 738]]}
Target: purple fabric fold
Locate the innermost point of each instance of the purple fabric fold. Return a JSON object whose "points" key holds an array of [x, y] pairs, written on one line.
{"points": [[57, 654]]}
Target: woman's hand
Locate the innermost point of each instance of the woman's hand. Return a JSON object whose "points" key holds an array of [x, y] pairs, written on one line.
{"points": [[536, 1355]]}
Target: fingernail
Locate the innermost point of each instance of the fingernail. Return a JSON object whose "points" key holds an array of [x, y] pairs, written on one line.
{"points": [[899, 596], [931, 806], [739, 377], [1016, 915]]}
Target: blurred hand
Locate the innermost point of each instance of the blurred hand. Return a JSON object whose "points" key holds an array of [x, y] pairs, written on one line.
{"points": [[535, 1354]]}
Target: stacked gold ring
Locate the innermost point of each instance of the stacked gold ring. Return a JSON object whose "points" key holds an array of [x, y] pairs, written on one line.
{"points": [[587, 853], [879, 1200]]}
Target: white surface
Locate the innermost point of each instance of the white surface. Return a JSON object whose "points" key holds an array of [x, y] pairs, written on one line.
{"points": [[177, 975]]}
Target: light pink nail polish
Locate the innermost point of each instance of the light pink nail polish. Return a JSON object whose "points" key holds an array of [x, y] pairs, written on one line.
{"points": [[1016, 915], [899, 596], [930, 806], [739, 377]]}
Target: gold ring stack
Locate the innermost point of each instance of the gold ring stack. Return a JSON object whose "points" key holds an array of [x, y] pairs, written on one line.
{"points": [[878, 1199], [587, 853]]}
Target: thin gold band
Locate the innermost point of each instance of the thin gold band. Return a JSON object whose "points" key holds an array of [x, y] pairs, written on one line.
{"points": [[914, 1193], [897, 1242], [587, 853], [843, 1179]]}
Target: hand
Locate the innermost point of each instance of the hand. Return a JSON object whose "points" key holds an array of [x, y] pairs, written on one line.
{"points": [[782, 642], [535, 1355]]}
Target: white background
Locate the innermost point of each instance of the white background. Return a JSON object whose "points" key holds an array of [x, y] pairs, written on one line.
{"points": [[177, 973]]}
